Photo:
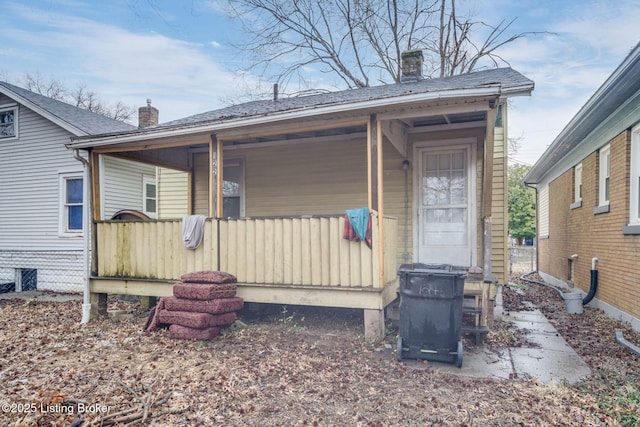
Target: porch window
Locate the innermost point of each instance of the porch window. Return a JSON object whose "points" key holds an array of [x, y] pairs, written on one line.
{"points": [[603, 179], [8, 122], [233, 188], [150, 196], [71, 203], [577, 186]]}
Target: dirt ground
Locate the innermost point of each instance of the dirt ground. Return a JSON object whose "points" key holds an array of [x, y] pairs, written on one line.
{"points": [[292, 366]]}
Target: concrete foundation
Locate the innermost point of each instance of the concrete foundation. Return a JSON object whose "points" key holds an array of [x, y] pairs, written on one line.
{"points": [[373, 324]]}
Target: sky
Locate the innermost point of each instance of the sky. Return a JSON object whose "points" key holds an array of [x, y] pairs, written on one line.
{"points": [[179, 54]]}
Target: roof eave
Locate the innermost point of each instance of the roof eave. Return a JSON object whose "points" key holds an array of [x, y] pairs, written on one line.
{"points": [[212, 127], [627, 72]]}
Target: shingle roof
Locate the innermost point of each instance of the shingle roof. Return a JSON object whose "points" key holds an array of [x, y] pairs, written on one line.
{"points": [[85, 121], [506, 78]]}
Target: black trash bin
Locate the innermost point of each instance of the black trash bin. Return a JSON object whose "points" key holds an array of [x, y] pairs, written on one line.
{"points": [[431, 299]]}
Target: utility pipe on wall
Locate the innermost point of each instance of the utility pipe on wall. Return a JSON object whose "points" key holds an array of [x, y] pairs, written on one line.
{"points": [[594, 282], [86, 233], [405, 253]]}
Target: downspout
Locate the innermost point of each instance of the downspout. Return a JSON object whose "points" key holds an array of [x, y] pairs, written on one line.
{"points": [[405, 253], [620, 340], [594, 282], [86, 233]]}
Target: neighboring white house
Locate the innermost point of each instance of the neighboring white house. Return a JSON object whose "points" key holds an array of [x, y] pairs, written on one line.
{"points": [[41, 189]]}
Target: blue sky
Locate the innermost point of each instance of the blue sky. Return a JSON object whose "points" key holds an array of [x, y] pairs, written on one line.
{"points": [[178, 53]]}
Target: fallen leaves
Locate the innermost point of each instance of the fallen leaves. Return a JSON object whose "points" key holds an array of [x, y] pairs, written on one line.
{"points": [[316, 369]]}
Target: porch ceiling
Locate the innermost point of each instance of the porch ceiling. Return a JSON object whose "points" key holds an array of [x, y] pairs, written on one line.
{"points": [[170, 152]]}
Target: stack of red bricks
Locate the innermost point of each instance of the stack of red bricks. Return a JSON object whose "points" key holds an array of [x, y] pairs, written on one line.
{"points": [[202, 305]]}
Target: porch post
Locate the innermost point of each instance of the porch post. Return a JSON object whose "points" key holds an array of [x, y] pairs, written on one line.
{"points": [[95, 185], [375, 185], [372, 163], [213, 145], [219, 178], [97, 301], [487, 190], [380, 175], [374, 319]]}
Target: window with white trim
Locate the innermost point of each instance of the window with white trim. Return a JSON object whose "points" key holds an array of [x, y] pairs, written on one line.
{"points": [[604, 172], [71, 204], [8, 122], [634, 179], [577, 183], [543, 211], [150, 196]]}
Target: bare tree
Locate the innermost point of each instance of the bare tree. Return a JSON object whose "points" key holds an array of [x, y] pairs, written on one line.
{"points": [[51, 87], [80, 97], [456, 49], [362, 40]]}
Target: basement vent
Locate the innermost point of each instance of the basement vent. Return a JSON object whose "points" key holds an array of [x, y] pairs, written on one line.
{"points": [[28, 279]]}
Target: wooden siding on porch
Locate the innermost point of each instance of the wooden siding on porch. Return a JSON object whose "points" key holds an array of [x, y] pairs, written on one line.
{"points": [[287, 250]]}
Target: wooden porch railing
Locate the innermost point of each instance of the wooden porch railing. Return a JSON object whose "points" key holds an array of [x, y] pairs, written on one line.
{"points": [[284, 250]]}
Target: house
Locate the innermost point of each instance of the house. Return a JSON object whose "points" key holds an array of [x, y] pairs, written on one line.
{"points": [[588, 196], [41, 189], [274, 178]]}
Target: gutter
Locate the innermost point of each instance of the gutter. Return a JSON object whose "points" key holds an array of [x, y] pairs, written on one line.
{"points": [[86, 234], [188, 129]]}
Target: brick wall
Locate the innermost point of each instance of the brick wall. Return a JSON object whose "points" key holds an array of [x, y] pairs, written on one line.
{"points": [[580, 231]]}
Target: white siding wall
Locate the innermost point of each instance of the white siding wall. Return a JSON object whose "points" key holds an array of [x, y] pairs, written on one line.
{"points": [[173, 193], [29, 185], [30, 205], [122, 184]]}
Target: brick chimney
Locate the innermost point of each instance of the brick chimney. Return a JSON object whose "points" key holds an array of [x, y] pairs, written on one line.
{"points": [[147, 116], [411, 66]]}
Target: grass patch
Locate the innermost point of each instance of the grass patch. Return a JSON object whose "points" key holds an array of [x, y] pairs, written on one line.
{"points": [[623, 403], [516, 286]]}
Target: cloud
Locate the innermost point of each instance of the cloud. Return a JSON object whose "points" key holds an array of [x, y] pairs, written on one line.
{"points": [[585, 42], [182, 78]]}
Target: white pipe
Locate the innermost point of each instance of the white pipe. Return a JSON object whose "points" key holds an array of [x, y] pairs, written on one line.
{"points": [[594, 260], [86, 234]]}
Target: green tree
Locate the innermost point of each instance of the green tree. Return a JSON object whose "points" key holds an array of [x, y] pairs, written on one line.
{"points": [[521, 204]]}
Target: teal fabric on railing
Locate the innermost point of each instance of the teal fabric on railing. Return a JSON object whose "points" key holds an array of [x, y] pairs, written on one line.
{"points": [[359, 219]]}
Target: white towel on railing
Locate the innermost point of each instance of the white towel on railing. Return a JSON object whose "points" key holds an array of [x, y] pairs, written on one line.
{"points": [[192, 230]]}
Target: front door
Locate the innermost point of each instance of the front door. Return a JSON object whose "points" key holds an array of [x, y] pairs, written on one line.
{"points": [[444, 206]]}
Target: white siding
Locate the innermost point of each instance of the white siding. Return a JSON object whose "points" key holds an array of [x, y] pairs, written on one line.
{"points": [[29, 185], [30, 167], [173, 193], [122, 184], [543, 211]]}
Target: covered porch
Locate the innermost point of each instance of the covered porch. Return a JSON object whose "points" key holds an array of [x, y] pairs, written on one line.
{"points": [[274, 193]]}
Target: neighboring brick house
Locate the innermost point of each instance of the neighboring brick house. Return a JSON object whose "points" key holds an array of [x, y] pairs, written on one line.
{"points": [[588, 187]]}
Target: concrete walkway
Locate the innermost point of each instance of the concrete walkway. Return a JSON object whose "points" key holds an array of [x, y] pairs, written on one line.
{"points": [[551, 360]]}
